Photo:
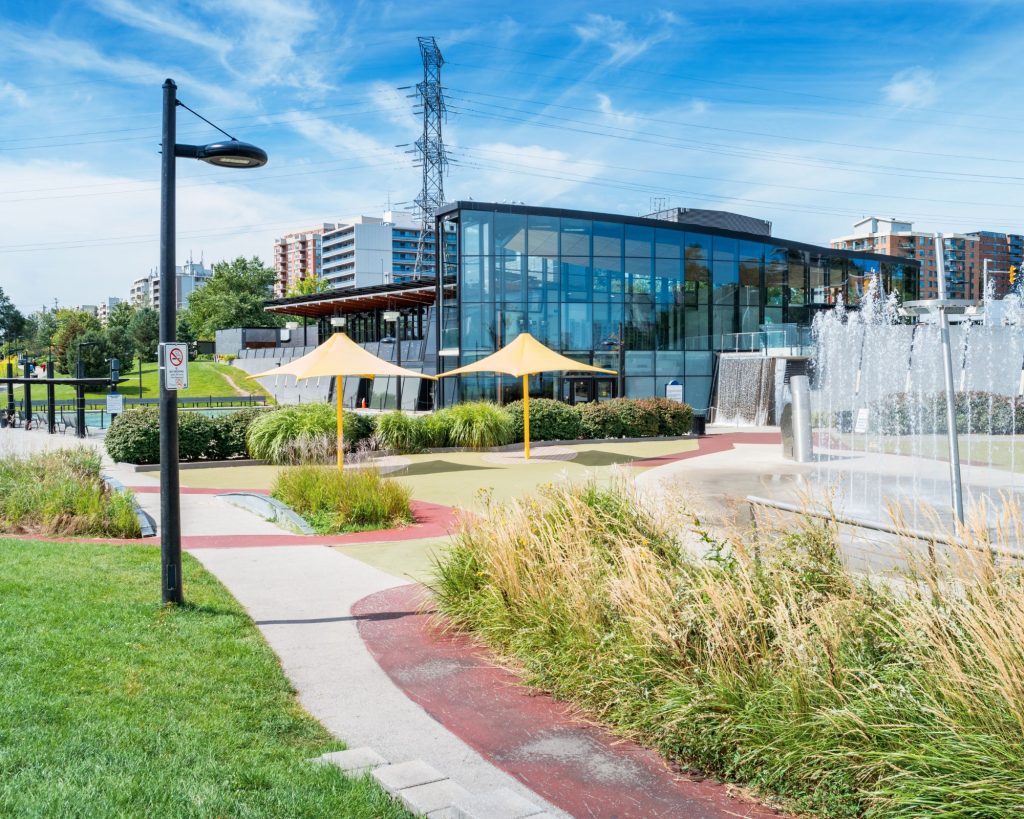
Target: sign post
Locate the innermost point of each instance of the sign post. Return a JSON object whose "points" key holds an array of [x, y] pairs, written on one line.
{"points": [[174, 363]]}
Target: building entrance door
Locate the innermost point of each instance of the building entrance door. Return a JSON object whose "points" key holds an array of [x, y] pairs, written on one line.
{"points": [[586, 388]]}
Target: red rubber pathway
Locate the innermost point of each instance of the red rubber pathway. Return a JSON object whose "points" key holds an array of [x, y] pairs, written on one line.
{"points": [[583, 769]]}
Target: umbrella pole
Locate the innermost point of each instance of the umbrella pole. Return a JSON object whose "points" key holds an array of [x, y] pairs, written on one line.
{"points": [[341, 422], [526, 417]]}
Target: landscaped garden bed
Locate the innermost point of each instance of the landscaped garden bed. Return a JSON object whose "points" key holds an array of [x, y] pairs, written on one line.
{"points": [[763, 663], [333, 501], [306, 433], [62, 494], [114, 705]]}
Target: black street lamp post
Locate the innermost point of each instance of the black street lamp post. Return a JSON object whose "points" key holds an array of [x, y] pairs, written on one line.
{"points": [[80, 390], [228, 154]]}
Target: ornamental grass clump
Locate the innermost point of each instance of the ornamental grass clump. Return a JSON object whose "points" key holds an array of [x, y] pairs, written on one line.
{"points": [[304, 433], [399, 432], [60, 493], [763, 662], [478, 425], [335, 501]]}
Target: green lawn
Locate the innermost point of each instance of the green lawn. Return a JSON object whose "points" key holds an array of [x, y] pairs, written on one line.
{"points": [[205, 378], [111, 705]]}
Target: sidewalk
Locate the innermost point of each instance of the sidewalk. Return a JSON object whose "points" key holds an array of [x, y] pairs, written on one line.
{"points": [[301, 597]]}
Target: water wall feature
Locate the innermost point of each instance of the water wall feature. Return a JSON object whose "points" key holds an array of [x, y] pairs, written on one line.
{"points": [[745, 389], [879, 415]]}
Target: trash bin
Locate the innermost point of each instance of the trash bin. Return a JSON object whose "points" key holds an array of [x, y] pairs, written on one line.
{"points": [[699, 423]]}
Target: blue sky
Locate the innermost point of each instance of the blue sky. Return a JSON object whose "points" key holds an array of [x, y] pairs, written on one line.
{"points": [[809, 115]]}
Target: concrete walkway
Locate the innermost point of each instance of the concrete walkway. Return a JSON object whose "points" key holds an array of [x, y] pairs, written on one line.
{"points": [[301, 597]]}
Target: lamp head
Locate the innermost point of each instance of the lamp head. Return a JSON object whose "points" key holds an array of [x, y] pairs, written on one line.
{"points": [[232, 154]]}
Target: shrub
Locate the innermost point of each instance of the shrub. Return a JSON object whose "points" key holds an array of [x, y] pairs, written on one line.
{"points": [[550, 420], [335, 501], [399, 432], [478, 425], [618, 418], [673, 418], [763, 662], [229, 433], [304, 433], [61, 493], [435, 429], [134, 436], [195, 435]]}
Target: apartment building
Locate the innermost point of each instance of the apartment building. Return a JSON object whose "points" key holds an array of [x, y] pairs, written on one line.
{"points": [[189, 277], [962, 254], [104, 308], [297, 255], [369, 250]]}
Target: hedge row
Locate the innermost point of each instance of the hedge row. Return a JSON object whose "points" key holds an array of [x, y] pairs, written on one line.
{"points": [[306, 432]]}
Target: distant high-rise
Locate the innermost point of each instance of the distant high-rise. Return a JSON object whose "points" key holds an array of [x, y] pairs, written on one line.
{"points": [[297, 255], [963, 254], [369, 250], [145, 291]]}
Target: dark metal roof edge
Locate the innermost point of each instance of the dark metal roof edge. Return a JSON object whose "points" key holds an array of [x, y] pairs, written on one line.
{"points": [[372, 290], [496, 207]]}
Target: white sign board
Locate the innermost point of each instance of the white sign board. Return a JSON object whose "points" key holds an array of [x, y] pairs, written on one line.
{"points": [[175, 365], [860, 426], [115, 404], [674, 392]]}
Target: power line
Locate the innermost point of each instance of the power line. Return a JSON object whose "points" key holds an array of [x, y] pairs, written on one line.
{"points": [[789, 137], [727, 150], [747, 86]]}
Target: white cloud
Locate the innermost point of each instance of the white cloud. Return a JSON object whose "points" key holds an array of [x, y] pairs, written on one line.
{"points": [[396, 107], [618, 118], [911, 88], [529, 173], [614, 33], [81, 56], [9, 92], [164, 23]]}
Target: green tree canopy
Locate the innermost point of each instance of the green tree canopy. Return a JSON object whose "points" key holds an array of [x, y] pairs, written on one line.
{"points": [[72, 326], [233, 297], [144, 331], [12, 322], [309, 284], [121, 315]]}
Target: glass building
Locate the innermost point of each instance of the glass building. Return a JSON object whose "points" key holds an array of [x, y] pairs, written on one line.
{"points": [[652, 299]]}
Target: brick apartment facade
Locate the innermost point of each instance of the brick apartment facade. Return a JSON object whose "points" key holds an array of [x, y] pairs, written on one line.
{"points": [[298, 254]]}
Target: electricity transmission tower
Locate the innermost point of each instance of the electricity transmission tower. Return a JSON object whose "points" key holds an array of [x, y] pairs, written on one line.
{"points": [[430, 152]]}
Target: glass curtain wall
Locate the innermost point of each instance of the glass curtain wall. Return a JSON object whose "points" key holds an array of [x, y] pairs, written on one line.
{"points": [[654, 303]]}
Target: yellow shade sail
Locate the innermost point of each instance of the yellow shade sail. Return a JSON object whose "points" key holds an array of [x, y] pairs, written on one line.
{"points": [[524, 355], [340, 356], [335, 358]]}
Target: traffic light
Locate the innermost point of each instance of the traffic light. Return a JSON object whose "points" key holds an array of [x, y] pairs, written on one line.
{"points": [[1013, 275]]}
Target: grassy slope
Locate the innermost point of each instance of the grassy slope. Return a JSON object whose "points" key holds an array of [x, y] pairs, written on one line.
{"points": [[205, 378], [111, 705]]}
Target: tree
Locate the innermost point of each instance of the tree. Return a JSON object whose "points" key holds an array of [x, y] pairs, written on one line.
{"points": [[72, 326], [144, 331], [121, 315], [45, 330], [187, 334], [308, 285], [12, 322], [233, 297]]}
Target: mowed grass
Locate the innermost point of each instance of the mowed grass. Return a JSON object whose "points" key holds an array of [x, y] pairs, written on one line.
{"points": [[111, 705], [205, 378]]}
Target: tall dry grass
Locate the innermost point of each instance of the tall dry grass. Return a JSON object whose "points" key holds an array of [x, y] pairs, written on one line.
{"points": [[764, 661]]}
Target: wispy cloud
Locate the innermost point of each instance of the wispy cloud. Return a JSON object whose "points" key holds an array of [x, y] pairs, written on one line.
{"points": [[159, 20], [624, 45], [81, 56], [619, 118], [911, 88], [9, 92]]}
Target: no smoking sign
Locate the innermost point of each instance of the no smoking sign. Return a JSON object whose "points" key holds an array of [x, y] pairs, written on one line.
{"points": [[175, 366]]}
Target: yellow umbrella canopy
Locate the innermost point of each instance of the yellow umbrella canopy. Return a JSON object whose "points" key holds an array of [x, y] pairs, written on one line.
{"points": [[337, 357], [522, 357], [340, 356]]}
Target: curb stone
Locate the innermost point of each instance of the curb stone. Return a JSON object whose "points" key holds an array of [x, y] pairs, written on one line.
{"points": [[425, 791]]}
